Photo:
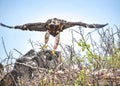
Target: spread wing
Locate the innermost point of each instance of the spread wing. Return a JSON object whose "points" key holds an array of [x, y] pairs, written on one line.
{"points": [[29, 26], [71, 24]]}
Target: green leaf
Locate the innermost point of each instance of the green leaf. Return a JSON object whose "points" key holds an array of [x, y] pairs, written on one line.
{"points": [[79, 44], [88, 46], [50, 71], [83, 48]]}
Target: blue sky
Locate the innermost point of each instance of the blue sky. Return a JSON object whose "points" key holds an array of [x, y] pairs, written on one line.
{"points": [[15, 12]]}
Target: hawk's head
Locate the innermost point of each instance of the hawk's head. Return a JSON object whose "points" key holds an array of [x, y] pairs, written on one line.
{"points": [[52, 23], [54, 26]]}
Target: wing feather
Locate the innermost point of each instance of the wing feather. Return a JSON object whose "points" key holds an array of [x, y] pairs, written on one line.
{"points": [[71, 24], [30, 26]]}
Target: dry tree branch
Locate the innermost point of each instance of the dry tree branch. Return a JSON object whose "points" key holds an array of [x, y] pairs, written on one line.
{"points": [[4, 47], [8, 57], [66, 55], [18, 51], [31, 44]]}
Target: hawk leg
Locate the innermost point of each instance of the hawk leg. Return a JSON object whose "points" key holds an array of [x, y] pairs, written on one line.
{"points": [[46, 40], [57, 39]]}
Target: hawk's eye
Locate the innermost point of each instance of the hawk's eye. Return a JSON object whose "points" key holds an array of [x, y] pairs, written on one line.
{"points": [[54, 22], [49, 21]]}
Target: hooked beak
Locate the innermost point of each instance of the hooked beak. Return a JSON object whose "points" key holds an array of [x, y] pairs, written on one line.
{"points": [[52, 26]]}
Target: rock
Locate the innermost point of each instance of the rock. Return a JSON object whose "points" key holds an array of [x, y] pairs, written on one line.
{"points": [[1, 71], [10, 79], [1, 68], [29, 63]]}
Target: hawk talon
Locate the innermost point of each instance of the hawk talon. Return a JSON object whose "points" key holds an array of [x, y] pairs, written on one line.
{"points": [[53, 53], [44, 47]]}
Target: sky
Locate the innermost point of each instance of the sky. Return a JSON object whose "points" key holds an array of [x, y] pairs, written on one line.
{"points": [[17, 12]]}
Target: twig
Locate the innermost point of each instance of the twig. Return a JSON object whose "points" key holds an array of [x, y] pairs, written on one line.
{"points": [[5, 49], [18, 51], [31, 44]]}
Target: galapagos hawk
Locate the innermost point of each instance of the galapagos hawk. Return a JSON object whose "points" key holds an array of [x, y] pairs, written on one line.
{"points": [[53, 27]]}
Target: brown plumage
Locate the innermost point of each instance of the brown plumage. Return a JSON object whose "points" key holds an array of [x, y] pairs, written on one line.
{"points": [[53, 27]]}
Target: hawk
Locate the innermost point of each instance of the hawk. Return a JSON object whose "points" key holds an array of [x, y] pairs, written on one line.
{"points": [[53, 27]]}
